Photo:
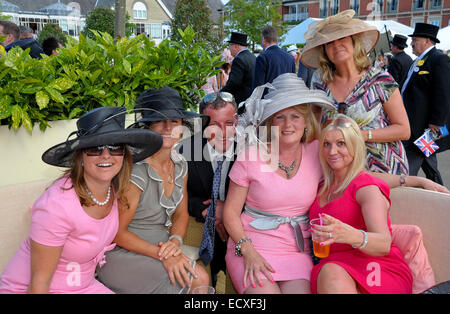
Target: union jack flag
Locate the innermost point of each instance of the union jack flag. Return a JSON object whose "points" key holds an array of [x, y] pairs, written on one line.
{"points": [[426, 144]]}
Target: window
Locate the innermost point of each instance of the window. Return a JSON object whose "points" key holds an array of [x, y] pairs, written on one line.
{"points": [[324, 8], [436, 4], [355, 5], [419, 4], [139, 11], [335, 8], [436, 21], [393, 6]]}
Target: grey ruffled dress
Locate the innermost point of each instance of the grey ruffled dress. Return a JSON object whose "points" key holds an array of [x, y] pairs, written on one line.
{"points": [[129, 272]]}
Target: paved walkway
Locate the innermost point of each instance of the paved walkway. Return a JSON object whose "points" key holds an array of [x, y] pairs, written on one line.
{"points": [[443, 166]]}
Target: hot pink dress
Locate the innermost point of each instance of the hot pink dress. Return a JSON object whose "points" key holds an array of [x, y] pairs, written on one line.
{"points": [[374, 274], [59, 220], [268, 191]]}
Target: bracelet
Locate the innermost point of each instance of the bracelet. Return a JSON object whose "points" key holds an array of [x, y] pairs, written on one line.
{"points": [[363, 245], [176, 236], [369, 137], [237, 247], [403, 180]]}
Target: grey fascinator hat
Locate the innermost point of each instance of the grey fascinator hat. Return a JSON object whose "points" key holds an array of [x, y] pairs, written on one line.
{"points": [[287, 90], [104, 126]]}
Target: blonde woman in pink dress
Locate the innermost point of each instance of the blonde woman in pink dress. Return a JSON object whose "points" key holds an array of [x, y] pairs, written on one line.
{"points": [[269, 248], [76, 219]]}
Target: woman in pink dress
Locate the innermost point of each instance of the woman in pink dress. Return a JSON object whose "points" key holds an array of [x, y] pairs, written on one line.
{"points": [[354, 208], [76, 219], [268, 249]]}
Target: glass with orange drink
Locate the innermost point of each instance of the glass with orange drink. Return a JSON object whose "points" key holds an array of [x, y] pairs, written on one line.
{"points": [[319, 250]]}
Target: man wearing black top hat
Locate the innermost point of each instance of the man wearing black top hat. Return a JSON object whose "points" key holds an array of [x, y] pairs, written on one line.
{"points": [[426, 95], [400, 64], [239, 82]]}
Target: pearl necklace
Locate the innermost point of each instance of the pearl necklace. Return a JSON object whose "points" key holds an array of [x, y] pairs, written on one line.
{"points": [[108, 195]]}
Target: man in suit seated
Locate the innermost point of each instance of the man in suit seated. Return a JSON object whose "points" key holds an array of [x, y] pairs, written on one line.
{"points": [[203, 154], [272, 61], [239, 82], [426, 95], [400, 64]]}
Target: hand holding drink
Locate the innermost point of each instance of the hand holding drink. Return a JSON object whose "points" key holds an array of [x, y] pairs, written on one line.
{"points": [[321, 250]]}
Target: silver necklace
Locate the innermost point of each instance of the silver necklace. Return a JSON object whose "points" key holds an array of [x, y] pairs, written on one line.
{"points": [[286, 168], [108, 195]]}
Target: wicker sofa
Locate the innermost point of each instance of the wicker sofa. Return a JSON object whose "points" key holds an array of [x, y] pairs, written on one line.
{"points": [[426, 209]]}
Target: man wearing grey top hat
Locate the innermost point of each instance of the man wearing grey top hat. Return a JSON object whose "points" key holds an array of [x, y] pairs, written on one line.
{"points": [[239, 83], [400, 64]]}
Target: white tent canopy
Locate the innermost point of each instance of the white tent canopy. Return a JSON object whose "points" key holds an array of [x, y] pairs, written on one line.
{"points": [[296, 34], [444, 37]]}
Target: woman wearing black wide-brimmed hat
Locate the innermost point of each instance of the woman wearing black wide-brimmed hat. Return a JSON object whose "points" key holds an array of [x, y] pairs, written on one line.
{"points": [[75, 220], [148, 256]]}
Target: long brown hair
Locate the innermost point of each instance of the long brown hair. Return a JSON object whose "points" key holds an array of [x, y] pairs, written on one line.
{"points": [[119, 183]]}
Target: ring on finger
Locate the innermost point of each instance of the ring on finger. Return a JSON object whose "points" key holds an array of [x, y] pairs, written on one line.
{"points": [[330, 235]]}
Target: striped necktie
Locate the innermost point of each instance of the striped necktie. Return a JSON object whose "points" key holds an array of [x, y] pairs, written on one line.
{"points": [[207, 246]]}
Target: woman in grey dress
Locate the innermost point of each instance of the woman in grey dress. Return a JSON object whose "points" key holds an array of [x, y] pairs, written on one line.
{"points": [[148, 256]]}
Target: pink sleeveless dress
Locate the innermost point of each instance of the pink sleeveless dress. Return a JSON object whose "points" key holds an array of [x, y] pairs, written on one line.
{"points": [[268, 191], [373, 274]]}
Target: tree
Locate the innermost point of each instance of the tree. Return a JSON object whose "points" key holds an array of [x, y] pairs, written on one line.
{"points": [[120, 18], [99, 19], [250, 17], [196, 14], [51, 30]]}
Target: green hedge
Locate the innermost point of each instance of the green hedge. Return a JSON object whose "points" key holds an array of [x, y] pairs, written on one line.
{"points": [[97, 72]]}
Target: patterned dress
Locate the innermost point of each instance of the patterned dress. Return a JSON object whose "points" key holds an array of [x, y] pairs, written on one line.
{"points": [[365, 105]]}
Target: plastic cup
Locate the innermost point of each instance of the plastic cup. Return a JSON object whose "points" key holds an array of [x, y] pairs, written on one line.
{"points": [[319, 251], [204, 290]]}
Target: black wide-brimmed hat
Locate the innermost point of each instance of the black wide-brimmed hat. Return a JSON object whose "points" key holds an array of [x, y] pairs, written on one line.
{"points": [[426, 30], [399, 41], [238, 38], [104, 126], [163, 104]]}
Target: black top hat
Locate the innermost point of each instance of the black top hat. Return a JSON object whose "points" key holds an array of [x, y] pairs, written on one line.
{"points": [[104, 126], [238, 38], [427, 31], [400, 41], [163, 104]]}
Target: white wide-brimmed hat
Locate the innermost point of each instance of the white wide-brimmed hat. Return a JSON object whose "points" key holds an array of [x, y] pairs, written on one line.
{"points": [[287, 90], [335, 27]]}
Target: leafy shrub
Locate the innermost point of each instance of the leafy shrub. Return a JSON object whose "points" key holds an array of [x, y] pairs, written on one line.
{"points": [[91, 73], [51, 30]]}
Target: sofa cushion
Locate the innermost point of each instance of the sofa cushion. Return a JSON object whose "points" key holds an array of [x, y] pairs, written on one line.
{"points": [[408, 239]]}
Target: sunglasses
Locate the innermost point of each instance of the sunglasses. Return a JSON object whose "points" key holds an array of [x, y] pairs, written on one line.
{"points": [[342, 107], [114, 150], [211, 97]]}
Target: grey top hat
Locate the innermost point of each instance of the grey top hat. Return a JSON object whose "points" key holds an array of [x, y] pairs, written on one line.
{"points": [[104, 126]]}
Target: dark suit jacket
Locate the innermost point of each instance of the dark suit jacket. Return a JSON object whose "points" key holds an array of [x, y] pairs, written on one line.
{"points": [[199, 186], [399, 67], [270, 63], [239, 82], [427, 96]]}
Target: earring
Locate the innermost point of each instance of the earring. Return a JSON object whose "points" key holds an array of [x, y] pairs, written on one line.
{"points": [[82, 164]]}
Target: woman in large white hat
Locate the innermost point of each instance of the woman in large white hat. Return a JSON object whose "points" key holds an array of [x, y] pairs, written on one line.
{"points": [[268, 249], [338, 47]]}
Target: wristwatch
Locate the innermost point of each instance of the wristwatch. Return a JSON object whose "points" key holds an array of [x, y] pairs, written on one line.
{"points": [[402, 180], [237, 248]]}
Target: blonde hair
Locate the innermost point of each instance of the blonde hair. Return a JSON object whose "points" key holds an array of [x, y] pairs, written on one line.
{"points": [[362, 61], [312, 127], [119, 183], [355, 145]]}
